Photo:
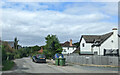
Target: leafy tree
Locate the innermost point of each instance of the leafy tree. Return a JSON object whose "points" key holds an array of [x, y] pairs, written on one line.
{"points": [[7, 47], [77, 44], [36, 48], [4, 54], [52, 46]]}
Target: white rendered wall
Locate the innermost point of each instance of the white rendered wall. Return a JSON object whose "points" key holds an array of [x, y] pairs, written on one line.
{"points": [[96, 49], [119, 45], [108, 44], [87, 46], [68, 50]]}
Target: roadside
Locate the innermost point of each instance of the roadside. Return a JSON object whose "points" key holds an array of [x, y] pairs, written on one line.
{"points": [[53, 62], [7, 65], [84, 68]]}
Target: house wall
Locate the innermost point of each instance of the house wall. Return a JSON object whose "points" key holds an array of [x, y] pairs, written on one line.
{"points": [[96, 49], [119, 45], [68, 50], [108, 44], [87, 46]]}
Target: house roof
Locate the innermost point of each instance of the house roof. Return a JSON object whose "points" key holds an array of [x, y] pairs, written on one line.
{"points": [[96, 38], [67, 44]]}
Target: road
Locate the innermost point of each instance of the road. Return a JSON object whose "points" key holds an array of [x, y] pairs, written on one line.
{"points": [[25, 65]]}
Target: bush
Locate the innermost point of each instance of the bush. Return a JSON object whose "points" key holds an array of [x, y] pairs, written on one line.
{"points": [[7, 65]]}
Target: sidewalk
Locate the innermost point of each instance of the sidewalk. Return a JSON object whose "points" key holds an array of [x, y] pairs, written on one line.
{"points": [[93, 65]]}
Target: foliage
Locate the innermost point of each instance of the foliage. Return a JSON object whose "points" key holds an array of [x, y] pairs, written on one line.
{"points": [[77, 44], [7, 52], [52, 46], [7, 65], [7, 47], [7, 56]]}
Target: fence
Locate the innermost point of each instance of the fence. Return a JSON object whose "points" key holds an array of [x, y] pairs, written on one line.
{"points": [[97, 60]]}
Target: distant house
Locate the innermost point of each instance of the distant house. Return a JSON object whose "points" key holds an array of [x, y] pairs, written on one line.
{"points": [[119, 43], [106, 44], [68, 47]]}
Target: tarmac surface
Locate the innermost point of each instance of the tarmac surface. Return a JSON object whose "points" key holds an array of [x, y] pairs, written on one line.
{"points": [[25, 65]]}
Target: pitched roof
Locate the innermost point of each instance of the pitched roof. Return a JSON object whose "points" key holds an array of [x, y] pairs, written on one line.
{"points": [[67, 44], [96, 38]]}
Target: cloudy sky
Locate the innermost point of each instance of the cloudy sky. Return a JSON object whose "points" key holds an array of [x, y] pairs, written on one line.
{"points": [[32, 21]]}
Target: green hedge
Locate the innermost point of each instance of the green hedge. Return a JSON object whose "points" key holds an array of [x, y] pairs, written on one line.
{"points": [[7, 65]]}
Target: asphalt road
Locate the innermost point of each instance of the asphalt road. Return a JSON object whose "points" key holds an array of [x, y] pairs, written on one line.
{"points": [[25, 65]]}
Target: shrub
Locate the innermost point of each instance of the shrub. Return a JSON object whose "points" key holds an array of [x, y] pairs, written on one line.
{"points": [[7, 65]]}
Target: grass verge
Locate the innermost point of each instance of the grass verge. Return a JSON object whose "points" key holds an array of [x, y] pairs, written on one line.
{"points": [[7, 65]]}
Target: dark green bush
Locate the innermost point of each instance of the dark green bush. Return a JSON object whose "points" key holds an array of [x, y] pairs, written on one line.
{"points": [[7, 65]]}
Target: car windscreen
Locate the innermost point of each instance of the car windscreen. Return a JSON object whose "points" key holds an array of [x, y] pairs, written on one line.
{"points": [[40, 56]]}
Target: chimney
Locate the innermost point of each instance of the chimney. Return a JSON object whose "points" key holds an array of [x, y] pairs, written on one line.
{"points": [[115, 31], [70, 42], [115, 38]]}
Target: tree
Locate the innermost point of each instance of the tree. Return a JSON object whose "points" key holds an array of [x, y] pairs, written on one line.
{"points": [[16, 43], [7, 52], [36, 48], [77, 44], [52, 46]]}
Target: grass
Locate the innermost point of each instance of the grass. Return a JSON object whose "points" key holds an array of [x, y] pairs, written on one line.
{"points": [[7, 65]]}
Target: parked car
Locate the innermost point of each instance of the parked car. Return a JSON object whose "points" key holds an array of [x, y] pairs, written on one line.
{"points": [[39, 58]]}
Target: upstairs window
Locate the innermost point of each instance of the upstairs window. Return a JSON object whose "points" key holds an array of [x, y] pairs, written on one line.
{"points": [[83, 45]]}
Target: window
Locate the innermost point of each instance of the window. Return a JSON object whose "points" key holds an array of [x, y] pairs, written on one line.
{"points": [[83, 45], [96, 53], [64, 50]]}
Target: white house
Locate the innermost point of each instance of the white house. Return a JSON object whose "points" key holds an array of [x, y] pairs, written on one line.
{"points": [[68, 47], [100, 44]]}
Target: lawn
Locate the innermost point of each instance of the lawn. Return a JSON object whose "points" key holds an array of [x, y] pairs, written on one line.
{"points": [[7, 65]]}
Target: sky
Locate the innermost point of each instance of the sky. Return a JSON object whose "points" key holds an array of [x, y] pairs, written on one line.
{"points": [[31, 22]]}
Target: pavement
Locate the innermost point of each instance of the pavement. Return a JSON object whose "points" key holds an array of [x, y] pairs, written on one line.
{"points": [[25, 65]]}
